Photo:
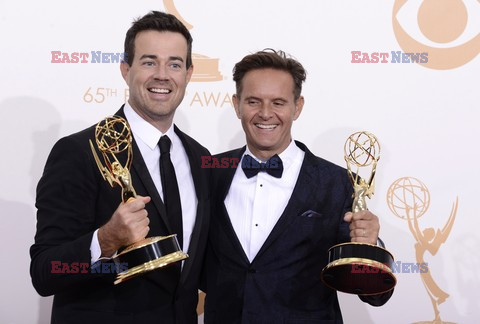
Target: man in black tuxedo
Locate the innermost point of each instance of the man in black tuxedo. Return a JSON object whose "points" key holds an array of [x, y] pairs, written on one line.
{"points": [[270, 231], [81, 219]]}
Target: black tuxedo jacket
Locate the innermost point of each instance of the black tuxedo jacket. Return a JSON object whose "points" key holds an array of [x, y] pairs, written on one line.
{"points": [[73, 200], [282, 284]]}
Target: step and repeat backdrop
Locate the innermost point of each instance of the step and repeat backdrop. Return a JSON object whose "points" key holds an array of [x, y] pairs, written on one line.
{"points": [[407, 71]]}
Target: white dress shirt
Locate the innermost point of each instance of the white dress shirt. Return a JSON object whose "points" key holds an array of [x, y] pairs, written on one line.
{"points": [[147, 136], [255, 205]]}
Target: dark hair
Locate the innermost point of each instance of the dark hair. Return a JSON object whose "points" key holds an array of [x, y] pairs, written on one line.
{"points": [[269, 58], [161, 22]]}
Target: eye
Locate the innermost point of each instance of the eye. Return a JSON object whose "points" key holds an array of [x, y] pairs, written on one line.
{"points": [[279, 103], [175, 66], [440, 23], [253, 102], [148, 63]]}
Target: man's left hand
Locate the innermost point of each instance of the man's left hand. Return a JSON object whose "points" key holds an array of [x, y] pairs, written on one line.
{"points": [[364, 226]]}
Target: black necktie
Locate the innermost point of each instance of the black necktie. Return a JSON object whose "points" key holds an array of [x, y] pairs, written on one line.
{"points": [[273, 166], [171, 195]]}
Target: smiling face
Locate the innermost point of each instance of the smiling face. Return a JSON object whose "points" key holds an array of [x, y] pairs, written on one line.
{"points": [[267, 109], [158, 76]]}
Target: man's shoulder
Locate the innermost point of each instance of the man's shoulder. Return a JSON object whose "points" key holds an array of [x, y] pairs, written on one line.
{"points": [[236, 153], [76, 146], [76, 140], [191, 142], [224, 164], [319, 162]]}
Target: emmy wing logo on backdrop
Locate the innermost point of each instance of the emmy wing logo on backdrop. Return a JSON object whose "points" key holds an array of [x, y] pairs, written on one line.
{"points": [[205, 68], [408, 198], [448, 30]]}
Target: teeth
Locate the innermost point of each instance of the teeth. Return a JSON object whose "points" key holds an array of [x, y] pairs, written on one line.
{"points": [[158, 90], [263, 126]]}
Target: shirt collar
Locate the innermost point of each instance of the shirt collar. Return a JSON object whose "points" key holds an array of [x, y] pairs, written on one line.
{"points": [[288, 156], [143, 130]]}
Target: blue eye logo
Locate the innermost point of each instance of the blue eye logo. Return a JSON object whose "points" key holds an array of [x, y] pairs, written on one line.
{"points": [[449, 30]]}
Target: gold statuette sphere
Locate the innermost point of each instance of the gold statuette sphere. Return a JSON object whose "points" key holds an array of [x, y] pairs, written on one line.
{"points": [[362, 149]]}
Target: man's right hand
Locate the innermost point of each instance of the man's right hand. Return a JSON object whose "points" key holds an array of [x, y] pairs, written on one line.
{"points": [[129, 224]]}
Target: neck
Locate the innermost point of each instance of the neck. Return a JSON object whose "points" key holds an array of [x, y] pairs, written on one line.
{"points": [[264, 155], [261, 154], [160, 122]]}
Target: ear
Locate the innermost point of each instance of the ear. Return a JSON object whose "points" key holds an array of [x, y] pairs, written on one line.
{"points": [[298, 107], [236, 105], [189, 73], [125, 68]]}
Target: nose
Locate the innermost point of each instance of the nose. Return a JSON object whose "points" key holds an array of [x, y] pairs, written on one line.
{"points": [[161, 72], [266, 111]]}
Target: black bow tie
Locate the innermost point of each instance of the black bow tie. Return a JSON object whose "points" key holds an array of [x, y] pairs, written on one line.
{"points": [[273, 166]]}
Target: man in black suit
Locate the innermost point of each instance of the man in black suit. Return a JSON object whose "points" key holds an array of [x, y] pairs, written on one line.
{"points": [[81, 219], [270, 231]]}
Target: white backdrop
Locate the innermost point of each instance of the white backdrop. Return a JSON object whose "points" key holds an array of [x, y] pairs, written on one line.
{"points": [[425, 117]]}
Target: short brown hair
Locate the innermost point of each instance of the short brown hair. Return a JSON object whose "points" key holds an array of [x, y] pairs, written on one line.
{"points": [[161, 22], [269, 58]]}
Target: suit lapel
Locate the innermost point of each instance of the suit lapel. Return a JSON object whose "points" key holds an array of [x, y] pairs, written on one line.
{"points": [[141, 170], [222, 185], [160, 225], [226, 175], [194, 160], [304, 191], [144, 175]]}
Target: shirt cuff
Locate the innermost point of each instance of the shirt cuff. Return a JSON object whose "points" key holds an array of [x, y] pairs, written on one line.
{"points": [[95, 250], [380, 243]]}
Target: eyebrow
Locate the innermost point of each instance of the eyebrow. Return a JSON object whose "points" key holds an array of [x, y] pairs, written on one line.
{"points": [[154, 57], [259, 99]]}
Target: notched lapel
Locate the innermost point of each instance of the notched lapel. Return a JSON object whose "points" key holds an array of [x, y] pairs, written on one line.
{"points": [[142, 172]]}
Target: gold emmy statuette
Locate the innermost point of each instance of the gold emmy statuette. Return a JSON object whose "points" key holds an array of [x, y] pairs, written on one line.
{"points": [[114, 141], [408, 198], [360, 268]]}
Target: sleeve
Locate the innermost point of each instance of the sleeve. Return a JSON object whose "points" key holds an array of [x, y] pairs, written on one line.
{"points": [[66, 219], [380, 299], [377, 300], [344, 227]]}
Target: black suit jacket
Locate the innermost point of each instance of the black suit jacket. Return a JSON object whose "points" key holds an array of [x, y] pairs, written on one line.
{"points": [[73, 200], [282, 284]]}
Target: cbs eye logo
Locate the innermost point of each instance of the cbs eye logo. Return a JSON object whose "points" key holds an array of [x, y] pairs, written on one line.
{"points": [[449, 30]]}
